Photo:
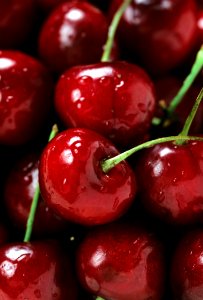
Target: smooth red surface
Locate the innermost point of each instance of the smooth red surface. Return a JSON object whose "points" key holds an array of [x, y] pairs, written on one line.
{"points": [[160, 33], [35, 271], [73, 183], [25, 97], [20, 187], [76, 32], [115, 99], [170, 181], [48, 5], [187, 268], [121, 263], [16, 21]]}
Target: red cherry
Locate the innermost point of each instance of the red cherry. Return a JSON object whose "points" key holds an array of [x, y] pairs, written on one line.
{"points": [[25, 94], [16, 21], [121, 263], [170, 181], [72, 181], [115, 99], [35, 271], [160, 33], [187, 268], [77, 32], [19, 192], [48, 5]]}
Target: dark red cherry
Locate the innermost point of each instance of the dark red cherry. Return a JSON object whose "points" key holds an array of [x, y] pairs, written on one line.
{"points": [[187, 268], [115, 99], [170, 181], [76, 32], [72, 181], [16, 21], [25, 94], [200, 27], [121, 263], [20, 187], [38, 270], [160, 33], [48, 5]]}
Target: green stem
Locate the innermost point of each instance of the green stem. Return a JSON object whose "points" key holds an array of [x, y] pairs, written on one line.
{"points": [[196, 68], [110, 163], [99, 298], [192, 114], [112, 30], [33, 208]]}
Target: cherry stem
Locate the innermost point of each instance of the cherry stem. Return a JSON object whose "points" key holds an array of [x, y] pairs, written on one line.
{"points": [[191, 115], [110, 163], [196, 68], [33, 208], [112, 31], [99, 298]]}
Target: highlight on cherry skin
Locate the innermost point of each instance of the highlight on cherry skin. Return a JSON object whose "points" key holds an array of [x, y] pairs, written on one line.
{"points": [[73, 183], [82, 218]]}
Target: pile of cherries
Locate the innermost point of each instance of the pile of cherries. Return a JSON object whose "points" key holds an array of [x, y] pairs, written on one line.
{"points": [[83, 85]]}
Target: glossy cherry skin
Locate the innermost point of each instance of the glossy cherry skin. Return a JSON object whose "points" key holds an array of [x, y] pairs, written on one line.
{"points": [[72, 181], [170, 181], [26, 89], [77, 32], [155, 31], [38, 270], [121, 263], [115, 99], [20, 187], [187, 268], [48, 5], [16, 21]]}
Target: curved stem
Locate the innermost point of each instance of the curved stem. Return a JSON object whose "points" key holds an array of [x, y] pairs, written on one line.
{"points": [[192, 114], [33, 208], [108, 164], [196, 68], [112, 30]]}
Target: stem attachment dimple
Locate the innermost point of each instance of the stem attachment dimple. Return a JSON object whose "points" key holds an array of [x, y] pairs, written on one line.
{"points": [[110, 163], [33, 208], [112, 31]]}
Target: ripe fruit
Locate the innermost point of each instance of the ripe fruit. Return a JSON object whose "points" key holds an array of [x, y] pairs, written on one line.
{"points": [[187, 267], [72, 181], [71, 29], [35, 271], [20, 187], [170, 181], [25, 97], [115, 99], [122, 263], [160, 33]]}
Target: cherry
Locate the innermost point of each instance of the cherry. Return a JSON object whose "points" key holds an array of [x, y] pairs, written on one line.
{"points": [[155, 31], [48, 5], [37, 270], [19, 192], [25, 97], [71, 29], [121, 262], [115, 99], [187, 267], [170, 181], [16, 21], [72, 181]]}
